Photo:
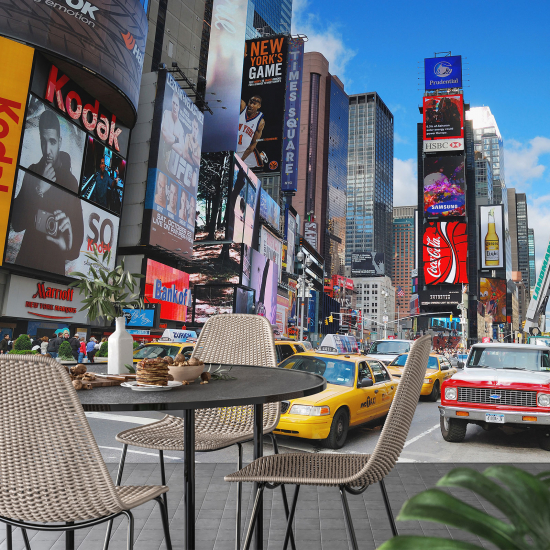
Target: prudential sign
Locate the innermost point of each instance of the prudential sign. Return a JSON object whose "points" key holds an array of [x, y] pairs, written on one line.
{"points": [[443, 72]]}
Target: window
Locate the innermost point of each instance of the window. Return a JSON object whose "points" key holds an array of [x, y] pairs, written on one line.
{"points": [[283, 352], [380, 373]]}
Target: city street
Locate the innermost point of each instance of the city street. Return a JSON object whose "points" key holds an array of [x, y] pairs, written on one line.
{"points": [[424, 443]]}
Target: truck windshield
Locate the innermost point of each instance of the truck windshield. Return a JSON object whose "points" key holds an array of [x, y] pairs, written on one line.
{"points": [[509, 358], [390, 347]]}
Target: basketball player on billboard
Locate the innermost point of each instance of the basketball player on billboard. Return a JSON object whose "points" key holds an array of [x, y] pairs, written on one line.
{"points": [[251, 126]]}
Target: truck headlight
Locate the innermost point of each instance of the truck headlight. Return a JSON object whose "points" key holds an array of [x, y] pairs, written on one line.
{"points": [[307, 410], [450, 393], [543, 399]]}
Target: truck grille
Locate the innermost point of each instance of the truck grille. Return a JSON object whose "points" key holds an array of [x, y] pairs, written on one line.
{"points": [[514, 398], [284, 406]]}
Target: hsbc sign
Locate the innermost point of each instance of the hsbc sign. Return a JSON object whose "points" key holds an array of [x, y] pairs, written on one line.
{"points": [[436, 146]]}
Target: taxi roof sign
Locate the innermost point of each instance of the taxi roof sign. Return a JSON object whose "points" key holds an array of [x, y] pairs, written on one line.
{"points": [[175, 335], [340, 342]]}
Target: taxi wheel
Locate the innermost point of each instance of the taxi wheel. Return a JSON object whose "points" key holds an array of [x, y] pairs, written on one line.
{"points": [[338, 430], [543, 437], [452, 429], [435, 393]]}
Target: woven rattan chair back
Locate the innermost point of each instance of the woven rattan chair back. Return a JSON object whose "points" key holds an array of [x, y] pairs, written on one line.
{"points": [[396, 428], [237, 339], [51, 469]]}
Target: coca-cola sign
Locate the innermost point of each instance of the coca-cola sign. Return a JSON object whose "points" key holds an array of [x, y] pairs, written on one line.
{"points": [[445, 250]]}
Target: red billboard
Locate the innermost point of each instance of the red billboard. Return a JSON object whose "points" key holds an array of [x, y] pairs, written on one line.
{"points": [[445, 250], [169, 287]]}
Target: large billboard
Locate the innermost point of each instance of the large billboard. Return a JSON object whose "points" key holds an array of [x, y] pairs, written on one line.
{"points": [[492, 295], [445, 251], [491, 236], [367, 264], [291, 230], [219, 263], [444, 186], [263, 103], [443, 72], [224, 74], [169, 287], [443, 118], [105, 36], [52, 230], [293, 107], [271, 247], [270, 211], [263, 279], [173, 175], [438, 297], [16, 63]]}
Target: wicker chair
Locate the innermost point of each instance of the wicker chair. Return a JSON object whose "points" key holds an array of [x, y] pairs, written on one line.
{"points": [[235, 339], [349, 472], [53, 477]]}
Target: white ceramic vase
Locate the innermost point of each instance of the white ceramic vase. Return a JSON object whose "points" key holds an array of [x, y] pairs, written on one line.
{"points": [[121, 348]]}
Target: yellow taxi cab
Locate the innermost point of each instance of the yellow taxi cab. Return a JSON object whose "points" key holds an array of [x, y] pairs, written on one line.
{"points": [[359, 390], [152, 350], [439, 369], [285, 348]]}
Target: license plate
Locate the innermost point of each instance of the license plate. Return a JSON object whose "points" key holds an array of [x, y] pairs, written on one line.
{"points": [[495, 418]]}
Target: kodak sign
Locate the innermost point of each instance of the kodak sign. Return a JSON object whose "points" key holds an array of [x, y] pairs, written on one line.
{"points": [[15, 68]]}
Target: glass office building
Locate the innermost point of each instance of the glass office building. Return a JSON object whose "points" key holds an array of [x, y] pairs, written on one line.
{"points": [[266, 17], [484, 179], [335, 241], [523, 239], [370, 178], [532, 264]]}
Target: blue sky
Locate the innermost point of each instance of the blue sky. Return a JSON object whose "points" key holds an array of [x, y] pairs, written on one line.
{"points": [[506, 54]]}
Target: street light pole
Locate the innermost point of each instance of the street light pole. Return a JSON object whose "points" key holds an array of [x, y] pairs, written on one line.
{"points": [[308, 261]]}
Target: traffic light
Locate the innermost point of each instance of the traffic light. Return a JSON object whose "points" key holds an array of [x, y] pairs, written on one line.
{"points": [[326, 321], [331, 319]]}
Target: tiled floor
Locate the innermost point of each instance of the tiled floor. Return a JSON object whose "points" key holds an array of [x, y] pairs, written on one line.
{"points": [[319, 518]]}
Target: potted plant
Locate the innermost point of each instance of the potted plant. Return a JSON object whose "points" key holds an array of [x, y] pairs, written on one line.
{"points": [[22, 346], [107, 293], [65, 352]]}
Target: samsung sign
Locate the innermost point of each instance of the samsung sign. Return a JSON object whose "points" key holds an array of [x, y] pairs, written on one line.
{"points": [[443, 72]]}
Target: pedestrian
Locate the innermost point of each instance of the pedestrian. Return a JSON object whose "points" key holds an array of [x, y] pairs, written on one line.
{"points": [[75, 346], [44, 345], [81, 350], [4, 344], [53, 345], [90, 349]]}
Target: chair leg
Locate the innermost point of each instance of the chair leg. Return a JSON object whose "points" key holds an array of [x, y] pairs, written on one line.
{"points": [[291, 517], [259, 494], [388, 507], [163, 478], [347, 515], [239, 500], [117, 483], [9, 539], [130, 539], [69, 537], [26, 539], [165, 524]]}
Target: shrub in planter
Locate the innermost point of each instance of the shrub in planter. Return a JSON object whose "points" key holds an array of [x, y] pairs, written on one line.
{"points": [[23, 352], [136, 345], [65, 352], [103, 350], [22, 343]]}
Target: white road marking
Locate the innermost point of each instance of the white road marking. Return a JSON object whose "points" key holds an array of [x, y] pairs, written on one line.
{"points": [[118, 449], [121, 418], [414, 439]]}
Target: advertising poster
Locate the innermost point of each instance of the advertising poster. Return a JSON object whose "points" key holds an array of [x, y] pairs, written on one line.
{"points": [[444, 184], [293, 107], [105, 36], [271, 247], [438, 297], [263, 103], [17, 62], [290, 234], [270, 211], [491, 236], [443, 72], [367, 264], [443, 123], [212, 300], [103, 177], [169, 287], [139, 317], [282, 314], [174, 162], [492, 294], [52, 230], [217, 264], [445, 250], [53, 148], [224, 74], [263, 279], [244, 300]]}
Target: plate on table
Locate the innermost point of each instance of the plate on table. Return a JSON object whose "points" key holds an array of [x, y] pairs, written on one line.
{"points": [[134, 386]]}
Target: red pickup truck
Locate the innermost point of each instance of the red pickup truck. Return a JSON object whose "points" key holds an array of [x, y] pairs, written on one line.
{"points": [[501, 384]]}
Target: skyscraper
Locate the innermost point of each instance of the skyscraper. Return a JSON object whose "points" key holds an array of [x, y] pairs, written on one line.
{"points": [[403, 255], [370, 178], [523, 239], [268, 17], [532, 264]]}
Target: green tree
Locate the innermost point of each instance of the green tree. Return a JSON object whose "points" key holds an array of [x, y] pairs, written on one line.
{"points": [[22, 343], [65, 351], [103, 350]]}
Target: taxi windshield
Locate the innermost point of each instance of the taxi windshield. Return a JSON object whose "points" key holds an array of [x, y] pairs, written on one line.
{"points": [[336, 371], [390, 347], [156, 350], [509, 358], [401, 360]]}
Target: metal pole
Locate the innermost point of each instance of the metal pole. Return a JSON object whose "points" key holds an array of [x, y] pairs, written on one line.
{"points": [[303, 285], [258, 448], [189, 477]]}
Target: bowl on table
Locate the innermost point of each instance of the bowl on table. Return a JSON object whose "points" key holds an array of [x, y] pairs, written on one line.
{"points": [[186, 371]]}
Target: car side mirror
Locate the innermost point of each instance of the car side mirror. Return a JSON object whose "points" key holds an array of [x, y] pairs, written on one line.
{"points": [[444, 367], [365, 383], [460, 364]]}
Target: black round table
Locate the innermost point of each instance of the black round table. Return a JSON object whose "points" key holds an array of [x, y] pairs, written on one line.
{"points": [[251, 386]]}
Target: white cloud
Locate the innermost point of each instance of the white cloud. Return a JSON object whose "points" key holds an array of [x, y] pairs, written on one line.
{"points": [[405, 182], [522, 161], [323, 37], [538, 214]]}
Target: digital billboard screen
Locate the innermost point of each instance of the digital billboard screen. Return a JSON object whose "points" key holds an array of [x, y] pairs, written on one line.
{"points": [[492, 294], [263, 103], [271, 247], [213, 300], [217, 264], [169, 287], [263, 279], [443, 72], [52, 230], [445, 253], [444, 184], [367, 264], [443, 118], [270, 211], [491, 236]]}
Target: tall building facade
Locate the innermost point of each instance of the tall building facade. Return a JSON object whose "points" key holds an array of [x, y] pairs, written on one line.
{"points": [[370, 178], [523, 239], [532, 263], [265, 17], [403, 255], [375, 297], [484, 179]]}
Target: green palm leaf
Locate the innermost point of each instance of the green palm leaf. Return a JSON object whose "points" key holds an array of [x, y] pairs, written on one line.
{"points": [[409, 542]]}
